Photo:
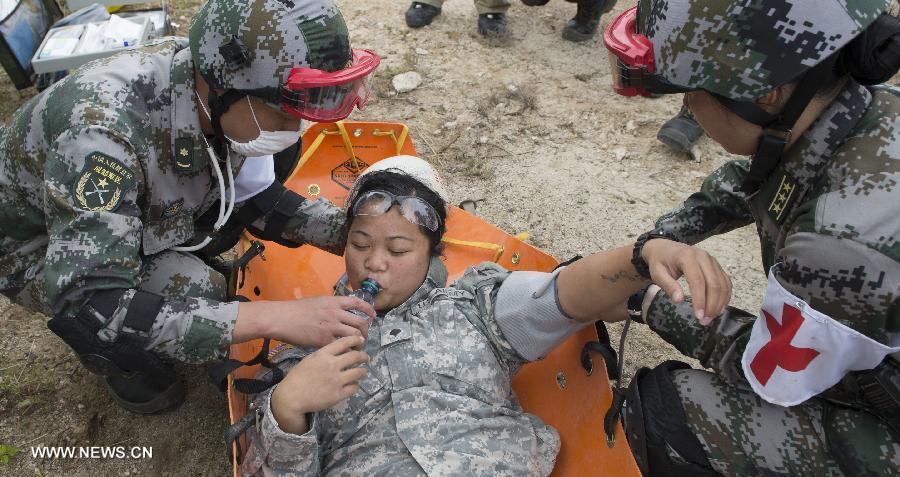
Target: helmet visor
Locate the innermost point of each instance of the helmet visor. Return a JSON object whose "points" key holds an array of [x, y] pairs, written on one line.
{"points": [[412, 208], [323, 96], [631, 59]]}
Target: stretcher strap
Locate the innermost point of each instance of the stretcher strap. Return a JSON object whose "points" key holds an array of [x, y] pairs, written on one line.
{"points": [[398, 141], [485, 245]]}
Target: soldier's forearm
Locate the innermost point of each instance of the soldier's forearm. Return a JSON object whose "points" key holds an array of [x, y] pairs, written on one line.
{"points": [[597, 286]]}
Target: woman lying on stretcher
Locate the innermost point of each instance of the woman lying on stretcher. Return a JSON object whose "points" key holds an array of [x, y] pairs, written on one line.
{"points": [[428, 391]]}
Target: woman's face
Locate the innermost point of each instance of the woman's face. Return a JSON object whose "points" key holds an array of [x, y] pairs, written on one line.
{"points": [[392, 251], [726, 128]]}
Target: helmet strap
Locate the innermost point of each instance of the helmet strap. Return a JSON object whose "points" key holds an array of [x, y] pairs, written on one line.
{"points": [[219, 105], [778, 128]]}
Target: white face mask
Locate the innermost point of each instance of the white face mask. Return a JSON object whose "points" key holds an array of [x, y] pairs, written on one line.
{"points": [[267, 143]]}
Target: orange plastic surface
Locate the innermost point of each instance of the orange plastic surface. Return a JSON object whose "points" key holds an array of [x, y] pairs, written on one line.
{"points": [[557, 389]]}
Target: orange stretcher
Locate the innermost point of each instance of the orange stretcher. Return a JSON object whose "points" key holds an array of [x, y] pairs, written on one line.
{"points": [[558, 389]]}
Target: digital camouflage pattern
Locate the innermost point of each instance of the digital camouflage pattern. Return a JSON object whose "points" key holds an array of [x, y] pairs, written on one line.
{"points": [[744, 49], [104, 171], [437, 400], [278, 35], [830, 214]]}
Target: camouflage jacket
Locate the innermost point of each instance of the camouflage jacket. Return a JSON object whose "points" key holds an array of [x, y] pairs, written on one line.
{"points": [[437, 401], [830, 213], [107, 167]]}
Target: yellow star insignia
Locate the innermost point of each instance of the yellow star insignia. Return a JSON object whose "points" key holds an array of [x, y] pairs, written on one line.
{"points": [[102, 183], [183, 151]]}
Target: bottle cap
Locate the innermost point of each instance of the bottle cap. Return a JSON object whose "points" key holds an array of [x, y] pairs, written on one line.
{"points": [[370, 285]]}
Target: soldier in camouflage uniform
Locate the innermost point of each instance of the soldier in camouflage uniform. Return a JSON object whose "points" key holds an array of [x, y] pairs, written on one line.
{"points": [[822, 189], [435, 398], [105, 177]]}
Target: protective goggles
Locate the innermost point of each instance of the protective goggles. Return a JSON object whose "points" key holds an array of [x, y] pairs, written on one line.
{"points": [[631, 59], [412, 208], [323, 96]]}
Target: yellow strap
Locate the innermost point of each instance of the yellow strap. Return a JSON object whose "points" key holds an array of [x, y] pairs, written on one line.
{"points": [[398, 141], [309, 153], [523, 236], [349, 145], [485, 245]]}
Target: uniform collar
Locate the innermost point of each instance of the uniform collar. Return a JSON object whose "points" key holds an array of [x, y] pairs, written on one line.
{"points": [[187, 135], [818, 144], [436, 278]]}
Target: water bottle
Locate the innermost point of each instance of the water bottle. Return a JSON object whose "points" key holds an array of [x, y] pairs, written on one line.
{"points": [[367, 291]]}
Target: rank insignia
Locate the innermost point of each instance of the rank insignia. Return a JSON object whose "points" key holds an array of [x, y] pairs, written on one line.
{"points": [[183, 155], [102, 182], [783, 198]]}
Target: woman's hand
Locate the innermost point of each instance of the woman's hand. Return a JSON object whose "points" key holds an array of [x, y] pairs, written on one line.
{"points": [[709, 285], [309, 322], [318, 382]]}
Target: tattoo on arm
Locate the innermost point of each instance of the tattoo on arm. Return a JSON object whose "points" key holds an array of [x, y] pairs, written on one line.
{"points": [[621, 275]]}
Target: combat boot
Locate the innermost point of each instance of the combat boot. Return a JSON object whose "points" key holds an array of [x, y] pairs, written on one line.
{"points": [[421, 14], [142, 393], [583, 26], [681, 132], [492, 25]]}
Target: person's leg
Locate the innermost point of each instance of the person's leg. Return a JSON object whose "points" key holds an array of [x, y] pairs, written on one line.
{"points": [[744, 435], [492, 18], [421, 13], [862, 444], [175, 276], [583, 26]]}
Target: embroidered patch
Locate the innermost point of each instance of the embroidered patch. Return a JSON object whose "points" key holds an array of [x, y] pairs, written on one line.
{"points": [[183, 154], [172, 209], [102, 183], [783, 198]]}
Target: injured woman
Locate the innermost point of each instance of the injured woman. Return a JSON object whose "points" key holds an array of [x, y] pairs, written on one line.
{"points": [[428, 391]]}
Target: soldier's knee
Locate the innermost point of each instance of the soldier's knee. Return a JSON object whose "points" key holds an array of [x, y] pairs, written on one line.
{"points": [[656, 426], [861, 443]]}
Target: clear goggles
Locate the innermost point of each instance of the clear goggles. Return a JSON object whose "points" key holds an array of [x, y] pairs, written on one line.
{"points": [[325, 97], [631, 61], [412, 208]]}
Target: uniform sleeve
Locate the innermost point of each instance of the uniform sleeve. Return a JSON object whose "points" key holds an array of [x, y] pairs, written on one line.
{"points": [[94, 188], [852, 283], [518, 312], [717, 208], [316, 222], [273, 451]]}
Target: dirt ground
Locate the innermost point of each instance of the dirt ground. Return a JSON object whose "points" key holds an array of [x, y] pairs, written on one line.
{"points": [[530, 128]]}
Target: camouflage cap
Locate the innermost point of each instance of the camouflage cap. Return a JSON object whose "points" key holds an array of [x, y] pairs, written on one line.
{"points": [[745, 48], [252, 45]]}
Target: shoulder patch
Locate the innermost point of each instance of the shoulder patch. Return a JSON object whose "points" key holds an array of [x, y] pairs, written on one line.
{"points": [[783, 198], [102, 182]]}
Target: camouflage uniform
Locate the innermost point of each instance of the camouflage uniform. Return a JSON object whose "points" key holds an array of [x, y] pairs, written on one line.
{"points": [[438, 398], [103, 173], [830, 214]]}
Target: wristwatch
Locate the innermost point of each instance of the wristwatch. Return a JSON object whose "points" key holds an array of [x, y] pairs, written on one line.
{"points": [[637, 259]]}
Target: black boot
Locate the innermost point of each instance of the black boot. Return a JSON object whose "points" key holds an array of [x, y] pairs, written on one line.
{"points": [[492, 25], [420, 14], [681, 132], [583, 26], [535, 3], [145, 394]]}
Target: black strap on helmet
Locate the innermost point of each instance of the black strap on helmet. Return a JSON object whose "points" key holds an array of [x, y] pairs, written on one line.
{"points": [[778, 127], [219, 105]]}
